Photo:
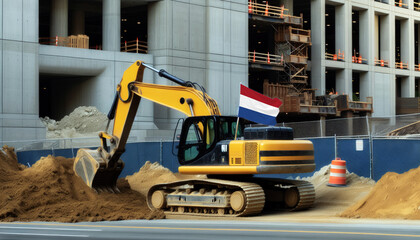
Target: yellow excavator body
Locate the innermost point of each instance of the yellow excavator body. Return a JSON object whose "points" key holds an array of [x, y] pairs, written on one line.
{"points": [[208, 145]]}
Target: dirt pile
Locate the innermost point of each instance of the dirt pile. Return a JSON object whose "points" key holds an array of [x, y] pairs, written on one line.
{"points": [[50, 191], [394, 196], [149, 175], [82, 122], [336, 199], [410, 129], [154, 173]]}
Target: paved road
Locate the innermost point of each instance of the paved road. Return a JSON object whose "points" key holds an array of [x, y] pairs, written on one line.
{"points": [[204, 229]]}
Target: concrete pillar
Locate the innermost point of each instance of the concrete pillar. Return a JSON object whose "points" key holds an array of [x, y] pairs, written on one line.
{"points": [[411, 43], [343, 81], [59, 18], [78, 22], [407, 90], [365, 86], [410, 4], [376, 37], [383, 94], [288, 4], [364, 35], [318, 45], [343, 29], [387, 38], [111, 25], [405, 40]]}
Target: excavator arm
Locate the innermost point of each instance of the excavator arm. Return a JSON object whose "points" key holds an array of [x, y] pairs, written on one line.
{"points": [[100, 168]]}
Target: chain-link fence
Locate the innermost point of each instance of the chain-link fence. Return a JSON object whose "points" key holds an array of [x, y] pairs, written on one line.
{"points": [[401, 126], [397, 126]]}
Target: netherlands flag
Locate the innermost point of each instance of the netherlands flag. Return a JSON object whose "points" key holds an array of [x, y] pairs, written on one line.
{"points": [[258, 108]]}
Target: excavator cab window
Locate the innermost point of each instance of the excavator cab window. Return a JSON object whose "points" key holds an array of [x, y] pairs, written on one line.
{"points": [[197, 138], [210, 133], [192, 142], [228, 127]]}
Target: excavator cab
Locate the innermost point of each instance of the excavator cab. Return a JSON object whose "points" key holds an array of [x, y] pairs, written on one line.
{"points": [[201, 137]]}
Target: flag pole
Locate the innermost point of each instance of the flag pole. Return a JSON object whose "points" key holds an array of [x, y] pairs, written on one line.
{"points": [[237, 120], [236, 129]]}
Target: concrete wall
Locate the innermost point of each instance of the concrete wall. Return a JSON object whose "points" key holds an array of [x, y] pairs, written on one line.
{"points": [[204, 42], [96, 73], [19, 70]]}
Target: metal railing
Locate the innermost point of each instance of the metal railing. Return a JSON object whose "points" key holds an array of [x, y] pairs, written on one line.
{"points": [[400, 3], [381, 62], [135, 46], [266, 10], [335, 56], [265, 58], [401, 65]]}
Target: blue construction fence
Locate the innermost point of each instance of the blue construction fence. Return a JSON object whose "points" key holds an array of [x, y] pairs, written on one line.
{"points": [[364, 156]]}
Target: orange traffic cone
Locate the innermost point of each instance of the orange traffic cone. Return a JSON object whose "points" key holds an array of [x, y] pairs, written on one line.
{"points": [[268, 58], [266, 9], [337, 173], [400, 3], [253, 59], [250, 6], [282, 11]]}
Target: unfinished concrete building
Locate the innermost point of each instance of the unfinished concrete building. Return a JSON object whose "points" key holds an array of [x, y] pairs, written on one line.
{"points": [[60, 54]]}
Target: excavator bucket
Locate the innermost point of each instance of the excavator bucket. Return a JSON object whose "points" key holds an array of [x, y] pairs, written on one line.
{"points": [[95, 172]]}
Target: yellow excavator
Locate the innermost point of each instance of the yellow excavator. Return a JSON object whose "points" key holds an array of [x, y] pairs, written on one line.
{"points": [[221, 147]]}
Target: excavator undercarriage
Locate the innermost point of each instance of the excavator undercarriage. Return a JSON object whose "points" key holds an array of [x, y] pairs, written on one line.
{"points": [[217, 197]]}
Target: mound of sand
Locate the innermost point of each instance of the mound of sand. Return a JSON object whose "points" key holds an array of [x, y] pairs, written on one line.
{"points": [[394, 196], [336, 199], [410, 129], [151, 174], [50, 191], [82, 122]]}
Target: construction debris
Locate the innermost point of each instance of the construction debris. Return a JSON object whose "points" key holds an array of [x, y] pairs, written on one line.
{"points": [[394, 196], [82, 122], [410, 129]]}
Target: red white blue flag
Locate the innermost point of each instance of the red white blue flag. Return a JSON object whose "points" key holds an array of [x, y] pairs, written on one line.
{"points": [[258, 108]]}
